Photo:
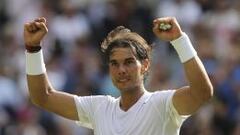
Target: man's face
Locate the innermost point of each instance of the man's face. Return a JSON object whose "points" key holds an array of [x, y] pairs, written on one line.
{"points": [[125, 69]]}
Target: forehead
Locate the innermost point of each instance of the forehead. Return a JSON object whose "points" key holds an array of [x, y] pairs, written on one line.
{"points": [[121, 53]]}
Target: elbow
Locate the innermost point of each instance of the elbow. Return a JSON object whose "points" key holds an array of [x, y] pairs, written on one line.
{"points": [[207, 92], [41, 99], [36, 102], [203, 92], [39, 102]]}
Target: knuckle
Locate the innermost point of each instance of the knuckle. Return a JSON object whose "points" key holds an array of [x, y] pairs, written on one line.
{"points": [[26, 25]]}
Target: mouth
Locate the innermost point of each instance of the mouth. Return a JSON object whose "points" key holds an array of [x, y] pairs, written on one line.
{"points": [[123, 80]]}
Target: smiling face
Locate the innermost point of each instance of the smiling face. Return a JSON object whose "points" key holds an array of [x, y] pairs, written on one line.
{"points": [[126, 71]]}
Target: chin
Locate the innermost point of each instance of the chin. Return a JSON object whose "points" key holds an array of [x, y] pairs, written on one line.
{"points": [[122, 88], [125, 88]]}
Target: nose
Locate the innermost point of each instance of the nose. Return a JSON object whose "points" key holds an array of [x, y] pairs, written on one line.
{"points": [[122, 70]]}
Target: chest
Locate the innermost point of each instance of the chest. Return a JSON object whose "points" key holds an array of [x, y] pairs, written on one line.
{"points": [[142, 119]]}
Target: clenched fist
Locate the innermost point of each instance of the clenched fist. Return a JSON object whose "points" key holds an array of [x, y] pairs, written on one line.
{"points": [[35, 31], [167, 28]]}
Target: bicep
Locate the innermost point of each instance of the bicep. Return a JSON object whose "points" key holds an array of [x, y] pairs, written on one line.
{"points": [[62, 104], [44, 96], [185, 102]]}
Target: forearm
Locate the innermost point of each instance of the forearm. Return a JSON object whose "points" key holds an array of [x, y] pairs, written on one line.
{"points": [[199, 82], [38, 84], [43, 95], [39, 88]]}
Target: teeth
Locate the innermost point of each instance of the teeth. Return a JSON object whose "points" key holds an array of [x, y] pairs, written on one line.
{"points": [[122, 80]]}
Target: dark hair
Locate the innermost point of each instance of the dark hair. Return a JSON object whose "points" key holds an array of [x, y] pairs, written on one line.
{"points": [[123, 37]]}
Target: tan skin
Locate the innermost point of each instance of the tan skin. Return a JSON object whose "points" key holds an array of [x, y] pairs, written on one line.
{"points": [[126, 73]]}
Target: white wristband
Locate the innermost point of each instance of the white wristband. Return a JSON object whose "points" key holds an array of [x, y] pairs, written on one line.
{"points": [[184, 48], [35, 63]]}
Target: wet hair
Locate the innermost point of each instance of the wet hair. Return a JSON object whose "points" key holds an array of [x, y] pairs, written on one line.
{"points": [[121, 37]]}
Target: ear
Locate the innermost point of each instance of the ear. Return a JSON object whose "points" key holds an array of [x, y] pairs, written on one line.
{"points": [[145, 66]]}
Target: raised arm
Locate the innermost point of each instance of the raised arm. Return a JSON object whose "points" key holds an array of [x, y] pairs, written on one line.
{"points": [[187, 99], [41, 92]]}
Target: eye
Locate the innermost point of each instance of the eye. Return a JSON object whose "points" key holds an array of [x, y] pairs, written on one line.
{"points": [[113, 64], [129, 62]]}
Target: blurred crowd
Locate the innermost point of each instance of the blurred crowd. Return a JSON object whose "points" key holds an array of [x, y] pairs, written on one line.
{"points": [[75, 63]]}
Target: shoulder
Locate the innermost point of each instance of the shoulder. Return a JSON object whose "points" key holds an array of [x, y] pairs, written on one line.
{"points": [[161, 98], [95, 99], [163, 94]]}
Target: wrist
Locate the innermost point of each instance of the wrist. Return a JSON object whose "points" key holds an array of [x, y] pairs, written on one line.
{"points": [[33, 49], [35, 63], [184, 48], [178, 36]]}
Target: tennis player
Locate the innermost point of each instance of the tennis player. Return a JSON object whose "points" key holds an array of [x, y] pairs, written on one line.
{"points": [[136, 111]]}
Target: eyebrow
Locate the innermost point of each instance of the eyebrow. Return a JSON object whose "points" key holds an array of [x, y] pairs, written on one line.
{"points": [[127, 59], [112, 61]]}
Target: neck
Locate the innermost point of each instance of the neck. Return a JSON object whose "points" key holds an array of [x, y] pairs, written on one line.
{"points": [[129, 98]]}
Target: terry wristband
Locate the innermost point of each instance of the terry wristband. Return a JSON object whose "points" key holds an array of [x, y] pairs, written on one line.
{"points": [[35, 63], [184, 48]]}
